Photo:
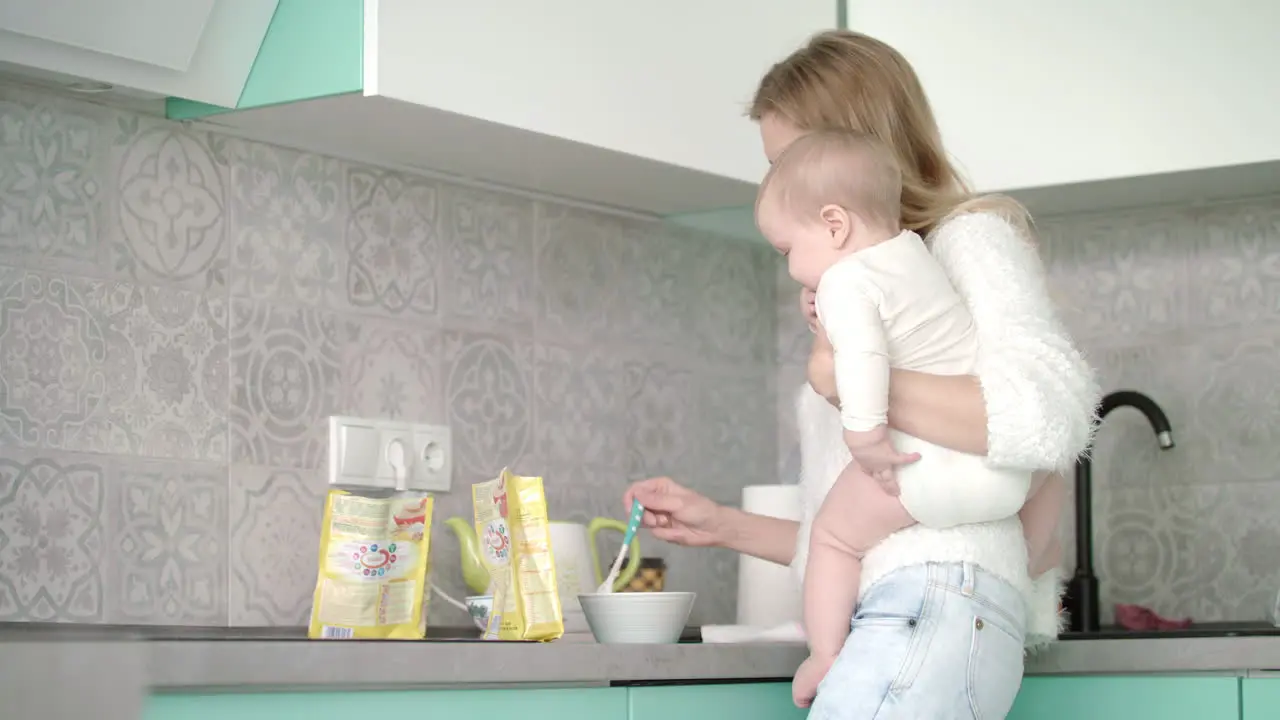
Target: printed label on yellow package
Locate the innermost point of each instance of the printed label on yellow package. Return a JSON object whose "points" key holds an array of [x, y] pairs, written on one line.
{"points": [[373, 567]]}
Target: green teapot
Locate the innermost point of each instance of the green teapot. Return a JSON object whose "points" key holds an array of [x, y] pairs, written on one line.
{"points": [[573, 545]]}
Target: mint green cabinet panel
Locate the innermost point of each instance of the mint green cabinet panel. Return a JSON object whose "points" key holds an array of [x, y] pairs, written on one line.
{"points": [[1260, 698], [739, 701], [312, 49], [1128, 698], [575, 704]]}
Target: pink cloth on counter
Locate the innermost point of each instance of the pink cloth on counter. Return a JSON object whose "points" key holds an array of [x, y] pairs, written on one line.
{"points": [[1136, 617]]}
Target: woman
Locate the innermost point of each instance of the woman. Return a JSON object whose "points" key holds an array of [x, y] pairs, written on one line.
{"points": [[945, 614]]}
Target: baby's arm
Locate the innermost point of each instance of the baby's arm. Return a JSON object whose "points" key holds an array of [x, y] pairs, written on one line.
{"points": [[851, 317], [849, 312]]}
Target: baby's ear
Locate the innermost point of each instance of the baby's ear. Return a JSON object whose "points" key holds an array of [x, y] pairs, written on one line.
{"points": [[839, 224]]}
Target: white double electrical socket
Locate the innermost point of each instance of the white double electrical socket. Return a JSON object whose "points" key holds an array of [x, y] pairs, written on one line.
{"points": [[358, 453]]}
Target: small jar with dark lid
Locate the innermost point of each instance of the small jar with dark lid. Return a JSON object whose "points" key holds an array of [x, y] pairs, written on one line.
{"points": [[650, 576]]}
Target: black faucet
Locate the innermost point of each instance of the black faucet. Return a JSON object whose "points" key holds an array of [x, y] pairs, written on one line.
{"points": [[1081, 601]]}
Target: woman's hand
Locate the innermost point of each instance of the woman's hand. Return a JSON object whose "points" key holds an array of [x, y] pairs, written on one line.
{"points": [[676, 514], [821, 370]]}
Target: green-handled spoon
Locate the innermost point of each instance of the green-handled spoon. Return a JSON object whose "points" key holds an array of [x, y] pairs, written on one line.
{"points": [[633, 524]]}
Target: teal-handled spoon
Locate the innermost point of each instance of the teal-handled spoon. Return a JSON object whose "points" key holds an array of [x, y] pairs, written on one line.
{"points": [[633, 524]]}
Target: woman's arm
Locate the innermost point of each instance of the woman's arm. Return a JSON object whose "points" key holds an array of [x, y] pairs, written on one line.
{"points": [[676, 514], [946, 410], [1040, 396], [1033, 400], [1041, 516], [761, 536]]}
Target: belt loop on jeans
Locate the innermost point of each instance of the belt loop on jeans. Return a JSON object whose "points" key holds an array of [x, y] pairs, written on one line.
{"points": [[968, 576], [934, 574]]}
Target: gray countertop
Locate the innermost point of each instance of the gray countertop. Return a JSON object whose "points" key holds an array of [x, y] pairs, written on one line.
{"points": [[114, 669]]}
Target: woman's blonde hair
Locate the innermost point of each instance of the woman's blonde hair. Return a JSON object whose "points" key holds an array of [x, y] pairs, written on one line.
{"points": [[843, 80]]}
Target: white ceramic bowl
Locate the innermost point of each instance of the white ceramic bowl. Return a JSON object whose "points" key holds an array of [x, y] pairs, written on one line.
{"points": [[639, 617]]}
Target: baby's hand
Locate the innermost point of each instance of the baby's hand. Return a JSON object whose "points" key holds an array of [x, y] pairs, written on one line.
{"points": [[876, 455], [804, 688]]}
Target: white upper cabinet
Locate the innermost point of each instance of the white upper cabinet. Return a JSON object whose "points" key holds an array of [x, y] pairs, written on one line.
{"points": [[199, 49], [667, 81], [1034, 94], [632, 105]]}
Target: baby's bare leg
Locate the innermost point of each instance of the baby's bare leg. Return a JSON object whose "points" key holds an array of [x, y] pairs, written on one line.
{"points": [[855, 516], [1040, 518]]}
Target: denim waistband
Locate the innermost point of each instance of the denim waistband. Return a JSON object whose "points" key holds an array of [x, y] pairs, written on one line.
{"points": [[966, 579]]}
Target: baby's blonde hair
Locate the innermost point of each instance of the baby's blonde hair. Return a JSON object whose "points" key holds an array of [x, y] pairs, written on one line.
{"points": [[835, 167], [843, 80]]}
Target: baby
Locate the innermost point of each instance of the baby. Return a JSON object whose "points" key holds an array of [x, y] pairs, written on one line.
{"points": [[831, 204]]}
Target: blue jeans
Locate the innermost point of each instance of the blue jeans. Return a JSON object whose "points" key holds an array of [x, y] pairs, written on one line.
{"points": [[940, 641]]}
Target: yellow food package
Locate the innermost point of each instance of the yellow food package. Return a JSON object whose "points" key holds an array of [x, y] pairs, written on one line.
{"points": [[515, 539], [373, 567]]}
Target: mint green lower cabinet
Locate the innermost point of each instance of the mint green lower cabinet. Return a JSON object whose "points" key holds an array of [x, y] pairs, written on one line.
{"points": [[1131, 698], [1260, 698], [739, 701], [1041, 698], [569, 704]]}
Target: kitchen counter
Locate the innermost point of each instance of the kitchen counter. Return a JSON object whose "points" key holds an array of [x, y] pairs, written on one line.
{"points": [[52, 672], [283, 658], [1242, 656], [111, 670]]}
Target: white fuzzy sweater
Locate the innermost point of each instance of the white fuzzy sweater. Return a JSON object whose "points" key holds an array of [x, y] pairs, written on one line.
{"points": [[1040, 395]]}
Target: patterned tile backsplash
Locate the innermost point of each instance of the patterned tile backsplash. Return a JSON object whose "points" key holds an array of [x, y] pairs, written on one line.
{"points": [[180, 311], [1184, 305]]}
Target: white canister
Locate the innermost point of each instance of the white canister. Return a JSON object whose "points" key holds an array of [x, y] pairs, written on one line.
{"points": [[768, 594], [578, 568]]}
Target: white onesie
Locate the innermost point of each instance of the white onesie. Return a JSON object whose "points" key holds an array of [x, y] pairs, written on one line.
{"points": [[892, 305]]}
